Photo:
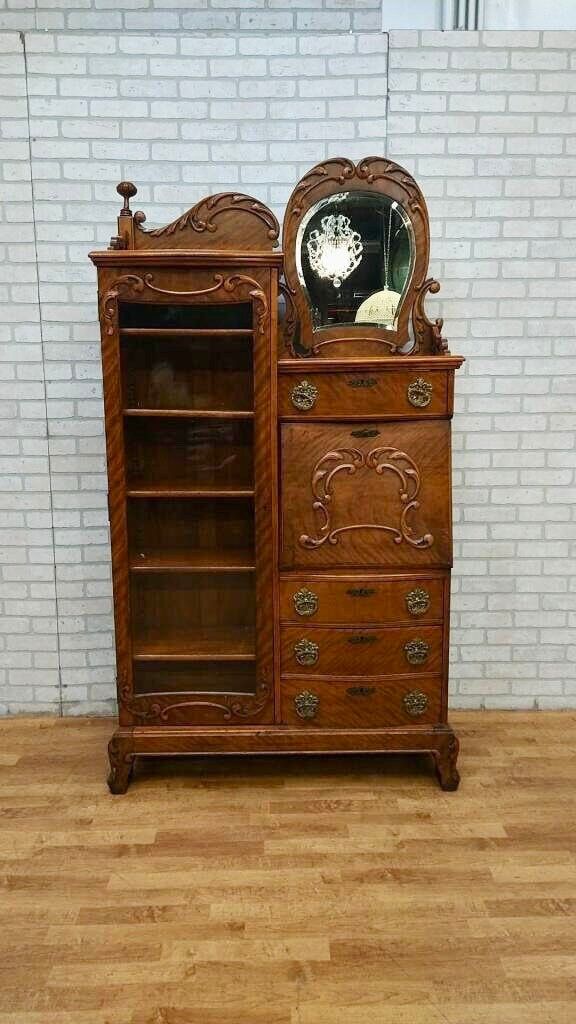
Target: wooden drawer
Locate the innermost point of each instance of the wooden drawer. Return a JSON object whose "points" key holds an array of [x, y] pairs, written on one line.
{"points": [[364, 393], [337, 600], [374, 499], [310, 703], [360, 651]]}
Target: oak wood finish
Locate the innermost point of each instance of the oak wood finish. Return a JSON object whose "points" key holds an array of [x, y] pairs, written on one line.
{"points": [[346, 703], [381, 499], [289, 890], [189, 393], [362, 650], [368, 392], [362, 599], [207, 441]]}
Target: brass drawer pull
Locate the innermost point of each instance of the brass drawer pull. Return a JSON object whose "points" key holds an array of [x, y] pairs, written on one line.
{"points": [[416, 651], [304, 395], [364, 432], [419, 393], [361, 691], [362, 382], [415, 702], [417, 601], [362, 638], [306, 704], [305, 602], [361, 591], [306, 652]]}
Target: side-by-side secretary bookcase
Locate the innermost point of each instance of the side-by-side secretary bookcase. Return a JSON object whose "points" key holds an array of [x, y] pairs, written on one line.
{"points": [[278, 442]]}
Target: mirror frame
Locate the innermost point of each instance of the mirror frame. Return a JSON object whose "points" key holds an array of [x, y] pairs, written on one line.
{"points": [[383, 177]]}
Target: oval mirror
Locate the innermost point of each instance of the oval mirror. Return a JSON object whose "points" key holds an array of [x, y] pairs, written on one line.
{"points": [[354, 258]]}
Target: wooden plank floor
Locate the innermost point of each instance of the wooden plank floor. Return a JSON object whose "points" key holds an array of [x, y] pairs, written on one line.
{"points": [[290, 891]]}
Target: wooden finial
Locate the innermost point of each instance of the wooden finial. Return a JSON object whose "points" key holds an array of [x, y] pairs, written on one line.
{"points": [[126, 189]]}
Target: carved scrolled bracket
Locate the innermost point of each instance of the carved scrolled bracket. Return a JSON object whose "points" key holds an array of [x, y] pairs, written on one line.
{"points": [[289, 324], [349, 461], [424, 328]]}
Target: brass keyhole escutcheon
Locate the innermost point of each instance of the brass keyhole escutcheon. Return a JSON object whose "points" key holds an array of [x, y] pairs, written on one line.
{"points": [[416, 651], [304, 395], [305, 602], [417, 601], [306, 704], [415, 702], [306, 652], [419, 393]]}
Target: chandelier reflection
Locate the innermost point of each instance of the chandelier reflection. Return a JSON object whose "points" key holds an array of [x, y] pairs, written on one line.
{"points": [[335, 250]]}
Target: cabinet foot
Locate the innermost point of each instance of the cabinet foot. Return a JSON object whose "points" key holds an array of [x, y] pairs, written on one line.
{"points": [[445, 763], [121, 764]]}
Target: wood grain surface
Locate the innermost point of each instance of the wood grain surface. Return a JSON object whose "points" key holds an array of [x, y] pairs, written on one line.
{"points": [[366, 501], [289, 891]]}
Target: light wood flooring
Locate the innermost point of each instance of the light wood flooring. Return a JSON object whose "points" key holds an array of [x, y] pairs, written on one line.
{"points": [[286, 890]]}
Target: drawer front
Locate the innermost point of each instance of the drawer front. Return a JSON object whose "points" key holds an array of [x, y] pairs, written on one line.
{"points": [[369, 500], [360, 599], [364, 394], [358, 651], [310, 703]]}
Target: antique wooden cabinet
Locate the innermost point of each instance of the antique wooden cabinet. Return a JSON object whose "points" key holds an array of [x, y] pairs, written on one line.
{"points": [[280, 503]]}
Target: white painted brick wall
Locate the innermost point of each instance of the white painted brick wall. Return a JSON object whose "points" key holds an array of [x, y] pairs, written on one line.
{"points": [[486, 123], [28, 636], [235, 16]]}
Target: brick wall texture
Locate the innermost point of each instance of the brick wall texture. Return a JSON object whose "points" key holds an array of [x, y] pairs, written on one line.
{"points": [[191, 99]]}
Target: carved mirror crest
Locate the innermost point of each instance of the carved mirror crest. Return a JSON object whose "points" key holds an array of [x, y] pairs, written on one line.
{"points": [[356, 248]]}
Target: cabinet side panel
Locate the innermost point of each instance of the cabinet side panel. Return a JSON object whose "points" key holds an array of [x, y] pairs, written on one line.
{"points": [[265, 506], [111, 373]]}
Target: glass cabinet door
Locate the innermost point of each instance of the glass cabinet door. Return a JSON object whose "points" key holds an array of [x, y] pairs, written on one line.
{"points": [[188, 395]]}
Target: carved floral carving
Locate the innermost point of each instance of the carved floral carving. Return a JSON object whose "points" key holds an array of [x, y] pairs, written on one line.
{"points": [[349, 461]]}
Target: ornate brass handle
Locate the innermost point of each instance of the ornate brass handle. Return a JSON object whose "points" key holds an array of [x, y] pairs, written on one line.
{"points": [[361, 691], [362, 382], [304, 395], [362, 638], [306, 652], [415, 702], [417, 601], [361, 591], [364, 432], [305, 602], [306, 704], [419, 393], [416, 651]]}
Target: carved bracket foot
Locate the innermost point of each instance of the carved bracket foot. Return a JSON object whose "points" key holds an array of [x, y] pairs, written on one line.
{"points": [[445, 759], [121, 763]]}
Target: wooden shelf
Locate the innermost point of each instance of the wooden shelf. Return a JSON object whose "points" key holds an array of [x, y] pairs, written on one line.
{"points": [[211, 644], [196, 560], [195, 414], [186, 332], [172, 489]]}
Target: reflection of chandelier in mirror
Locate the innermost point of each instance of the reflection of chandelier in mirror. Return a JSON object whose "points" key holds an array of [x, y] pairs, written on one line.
{"points": [[336, 250]]}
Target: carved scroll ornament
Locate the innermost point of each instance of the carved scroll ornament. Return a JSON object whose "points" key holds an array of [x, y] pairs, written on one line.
{"points": [[132, 284], [230, 706], [203, 215], [349, 461]]}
